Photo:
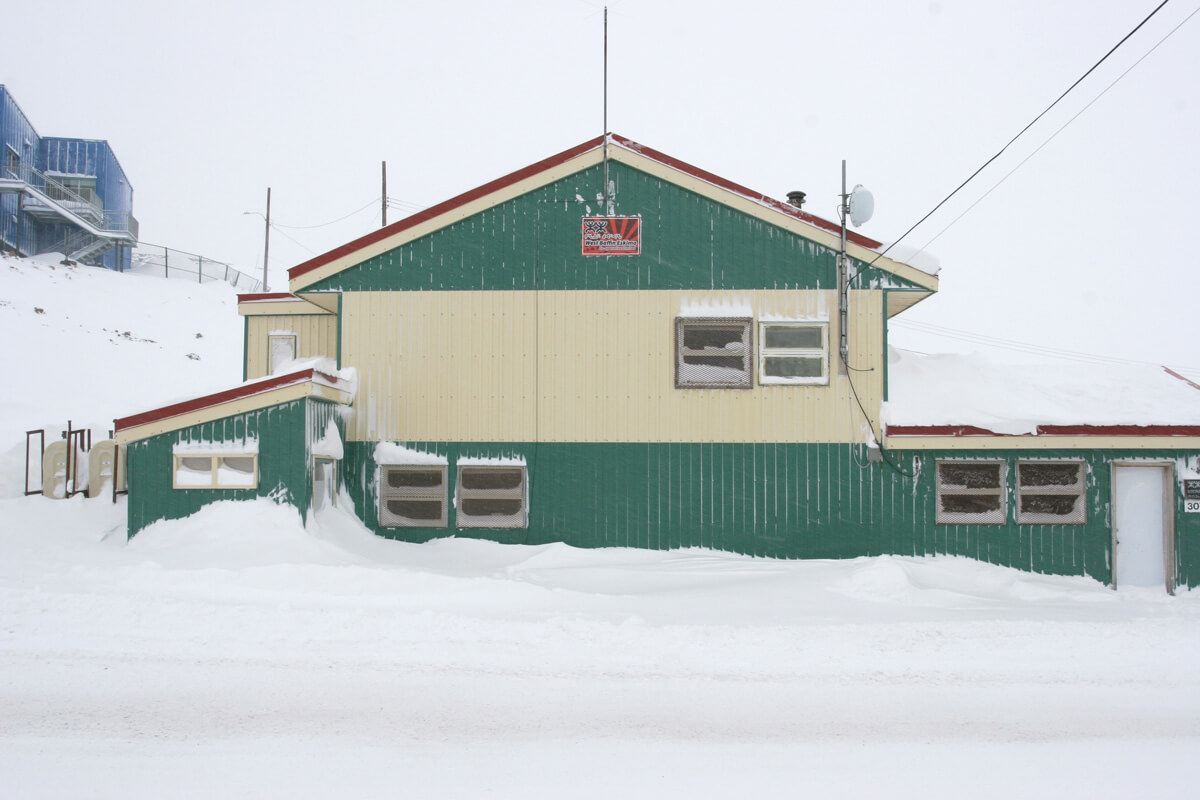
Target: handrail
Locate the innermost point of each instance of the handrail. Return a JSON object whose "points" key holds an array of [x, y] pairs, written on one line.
{"points": [[58, 192]]}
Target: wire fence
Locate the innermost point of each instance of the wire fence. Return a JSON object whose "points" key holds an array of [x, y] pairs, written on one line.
{"points": [[166, 262]]}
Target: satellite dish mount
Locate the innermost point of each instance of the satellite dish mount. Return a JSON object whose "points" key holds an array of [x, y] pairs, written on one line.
{"points": [[859, 206]]}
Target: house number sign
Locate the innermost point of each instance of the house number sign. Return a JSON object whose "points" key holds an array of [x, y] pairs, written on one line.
{"points": [[1191, 496]]}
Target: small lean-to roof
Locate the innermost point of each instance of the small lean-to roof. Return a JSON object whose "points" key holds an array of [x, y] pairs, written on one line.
{"points": [[250, 396], [581, 157], [966, 401], [281, 303]]}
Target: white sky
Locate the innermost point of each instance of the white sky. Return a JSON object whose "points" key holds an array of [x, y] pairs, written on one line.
{"points": [[1086, 247]]}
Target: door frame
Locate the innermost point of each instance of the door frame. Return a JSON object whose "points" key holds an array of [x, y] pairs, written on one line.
{"points": [[1167, 469], [334, 477]]}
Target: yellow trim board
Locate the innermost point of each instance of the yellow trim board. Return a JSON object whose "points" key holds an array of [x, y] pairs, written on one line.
{"points": [[281, 308]]}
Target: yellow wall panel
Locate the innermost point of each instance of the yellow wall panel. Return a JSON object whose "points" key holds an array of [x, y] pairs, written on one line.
{"points": [[316, 335], [588, 366]]}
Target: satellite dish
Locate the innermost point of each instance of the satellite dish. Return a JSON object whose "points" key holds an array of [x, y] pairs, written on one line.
{"points": [[862, 205]]}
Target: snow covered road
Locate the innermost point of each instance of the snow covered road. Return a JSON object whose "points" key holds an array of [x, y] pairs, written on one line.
{"points": [[239, 654]]}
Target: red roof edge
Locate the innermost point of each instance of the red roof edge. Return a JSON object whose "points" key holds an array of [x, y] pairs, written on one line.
{"points": [[758, 197], [443, 207], [550, 163], [257, 298], [1175, 374], [209, 400], [1048, 430]]}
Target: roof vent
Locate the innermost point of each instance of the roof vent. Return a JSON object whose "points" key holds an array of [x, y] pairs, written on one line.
{"points": [[796, 199]]}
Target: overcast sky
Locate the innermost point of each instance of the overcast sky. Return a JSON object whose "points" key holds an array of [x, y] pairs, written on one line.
{"points": [[1087, 247]]}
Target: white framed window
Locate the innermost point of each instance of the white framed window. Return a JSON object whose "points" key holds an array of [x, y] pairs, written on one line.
{"points": [[1051, 492], [412, 496], [971, 492], [491, 497], [795, 353], [281, 348], [215, 471], [712, 353]]}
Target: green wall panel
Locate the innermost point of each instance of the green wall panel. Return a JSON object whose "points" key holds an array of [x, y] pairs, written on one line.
{"points": [[782, 500], [285, 434], [533, 242]]}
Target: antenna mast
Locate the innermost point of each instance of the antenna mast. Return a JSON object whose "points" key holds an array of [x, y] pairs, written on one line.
{"points": [[608, 199]]}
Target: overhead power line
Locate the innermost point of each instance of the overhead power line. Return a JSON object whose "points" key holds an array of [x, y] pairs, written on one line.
{"points": [[1021, 132], [364, 207]]}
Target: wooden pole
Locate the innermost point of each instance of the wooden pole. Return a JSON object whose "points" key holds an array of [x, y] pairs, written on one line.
{"points": [[383, 200], [267, 240]]}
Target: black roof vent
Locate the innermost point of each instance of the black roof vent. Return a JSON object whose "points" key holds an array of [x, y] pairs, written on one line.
{"points": [[796, 199]]}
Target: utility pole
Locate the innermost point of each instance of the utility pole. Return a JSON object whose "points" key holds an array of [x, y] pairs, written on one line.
{"points": [[267, 240], [383, 200]]}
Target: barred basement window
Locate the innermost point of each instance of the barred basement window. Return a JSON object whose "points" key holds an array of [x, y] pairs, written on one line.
{"points": [[491, 497], [412, 496], [233, 471], [712, 353], [1051, 492], [971, 492], [793, 353]]}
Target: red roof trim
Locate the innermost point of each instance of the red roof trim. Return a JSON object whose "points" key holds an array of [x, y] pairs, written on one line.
{"points": [[258, 298], [1048, 430], [207, 401], [444, 207], [1175, 374], [554, 161], [758, 197]]}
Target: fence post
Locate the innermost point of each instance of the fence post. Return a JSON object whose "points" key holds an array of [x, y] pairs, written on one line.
{"points": [[200, 269], [166, 264]]}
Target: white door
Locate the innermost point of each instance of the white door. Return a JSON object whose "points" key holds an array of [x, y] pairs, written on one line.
{"points": [[1138, 526], [324, 483]]}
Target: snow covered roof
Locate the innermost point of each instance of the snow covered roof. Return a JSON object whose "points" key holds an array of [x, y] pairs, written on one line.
{"points": [[249, 396], [976, 395], [581, 157]]}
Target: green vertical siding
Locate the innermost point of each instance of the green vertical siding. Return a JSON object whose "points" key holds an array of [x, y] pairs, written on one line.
{"points": [[533, 242], [782, 500], [285, 434]]}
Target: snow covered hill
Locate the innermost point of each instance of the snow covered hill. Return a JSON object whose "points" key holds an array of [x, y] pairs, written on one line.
{"points": [[89, 345], [243, 653]]}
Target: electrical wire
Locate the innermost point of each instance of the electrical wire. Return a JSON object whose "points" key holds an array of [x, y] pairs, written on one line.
{"points": [[883, 453], [1057, 132], [1019, 134], [359, 210]]}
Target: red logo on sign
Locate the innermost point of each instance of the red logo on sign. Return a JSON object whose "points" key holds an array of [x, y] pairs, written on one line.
{"points": [[612, 236]]}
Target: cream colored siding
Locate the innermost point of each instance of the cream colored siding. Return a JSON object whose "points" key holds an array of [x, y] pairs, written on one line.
{"points": [[586, 366], [316, 335]]}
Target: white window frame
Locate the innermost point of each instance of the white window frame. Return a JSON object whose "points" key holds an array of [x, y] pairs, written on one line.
{"points": [[747, 325], [994, 517], [439, 493], [271, 338], [1078, 490], [215, 460], [765, 352], [462, 495]]}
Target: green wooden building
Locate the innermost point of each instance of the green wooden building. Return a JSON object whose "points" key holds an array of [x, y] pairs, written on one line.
{"points": [[666, 359]]}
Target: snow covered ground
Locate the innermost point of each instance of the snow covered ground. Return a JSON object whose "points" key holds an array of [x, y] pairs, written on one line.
{"points": [[241, 653]]}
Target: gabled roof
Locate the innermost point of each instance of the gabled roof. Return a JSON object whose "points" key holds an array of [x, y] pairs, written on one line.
{"points": [[250, 396], [581, 157]]}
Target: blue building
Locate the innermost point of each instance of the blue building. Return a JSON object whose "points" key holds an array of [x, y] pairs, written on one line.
{"points": [[62, 195]]}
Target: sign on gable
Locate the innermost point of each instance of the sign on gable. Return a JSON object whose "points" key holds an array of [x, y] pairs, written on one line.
{"points": [[612, 236]]}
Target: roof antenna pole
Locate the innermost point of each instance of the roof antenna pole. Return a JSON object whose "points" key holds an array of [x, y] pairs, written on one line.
{"points": [[609, 204], [843, 289]]}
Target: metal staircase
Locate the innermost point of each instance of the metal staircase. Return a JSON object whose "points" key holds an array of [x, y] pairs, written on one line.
{"points": [[48, 199]]}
